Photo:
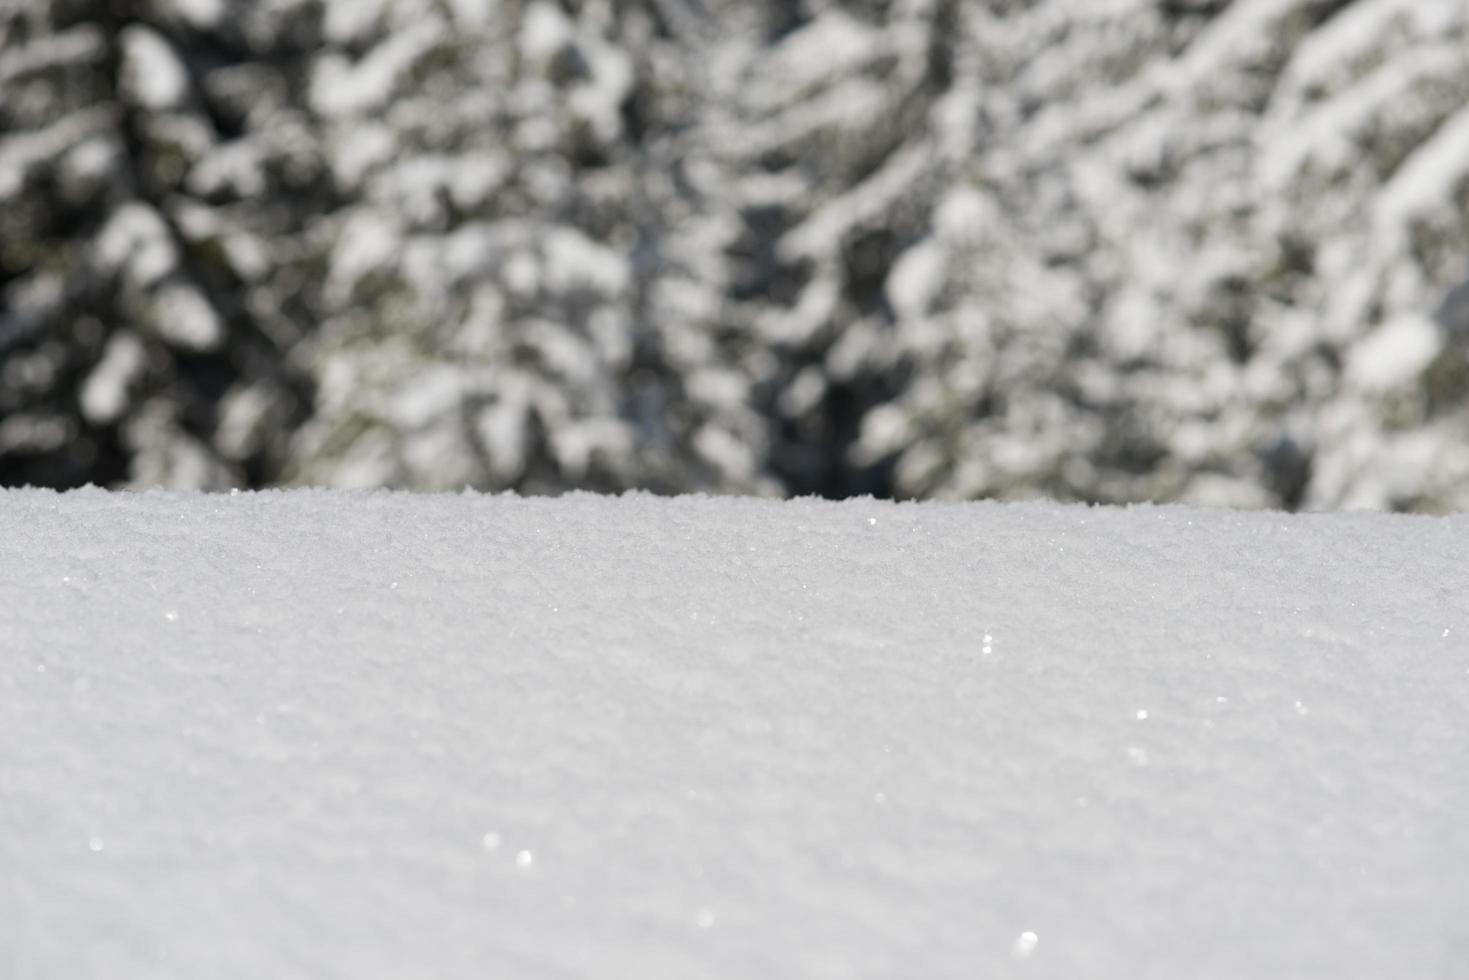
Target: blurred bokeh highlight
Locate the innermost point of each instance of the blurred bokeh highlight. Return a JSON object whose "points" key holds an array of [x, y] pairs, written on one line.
{"points": [[1198, 250]]}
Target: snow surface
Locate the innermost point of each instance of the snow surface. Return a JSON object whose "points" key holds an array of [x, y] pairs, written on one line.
{"points": [[310, 733]]}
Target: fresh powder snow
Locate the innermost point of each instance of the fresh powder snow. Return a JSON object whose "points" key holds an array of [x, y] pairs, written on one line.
{"points": [[370, 735]]}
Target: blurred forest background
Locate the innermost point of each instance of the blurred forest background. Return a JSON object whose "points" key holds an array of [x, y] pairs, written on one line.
{"points": [[1100, 250]]}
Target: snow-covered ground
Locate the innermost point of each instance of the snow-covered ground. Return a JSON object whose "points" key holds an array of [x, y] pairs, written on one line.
{"points": [[314, 734]]}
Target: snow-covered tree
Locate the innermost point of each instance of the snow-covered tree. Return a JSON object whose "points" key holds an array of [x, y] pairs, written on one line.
{"points": [[1196, 250], [526, 289], [147, 190], [1192, 256]]}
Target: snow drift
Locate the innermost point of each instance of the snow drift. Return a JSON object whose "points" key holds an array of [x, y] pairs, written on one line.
{"points": [[322, 734]]}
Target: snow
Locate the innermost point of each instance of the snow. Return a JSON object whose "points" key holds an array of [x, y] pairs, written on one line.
{"points": [[813, 55], [201, 13], [153, 73], [104, 395], [186, 319], [916, 279], [367, 242], [342, 89], [1425, 185], [1395, 353], [350, 20], [862, 203], [545, 32], [316, 733], [64, 47], [574, 261], [1332, 133], [472, 13], [23, 153], [135, 241]]}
